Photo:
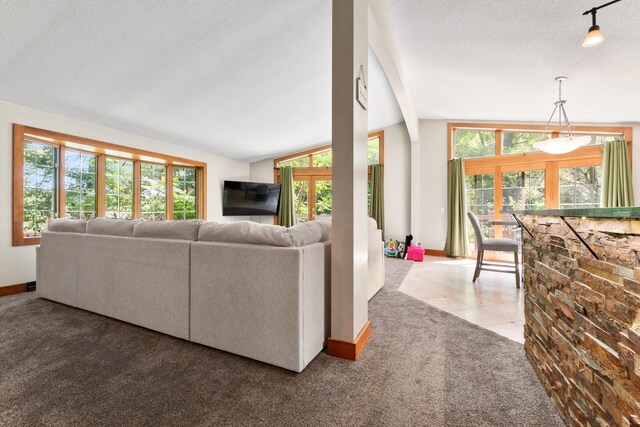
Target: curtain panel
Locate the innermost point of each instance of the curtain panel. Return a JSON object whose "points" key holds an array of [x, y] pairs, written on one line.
{"points": [[457, 239], [287, 213], [376, 207], [617, 186]]}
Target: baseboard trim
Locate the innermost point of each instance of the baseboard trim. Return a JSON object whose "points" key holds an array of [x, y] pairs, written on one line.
{"points": [[435, 252], [13, 289], [349, 350]]}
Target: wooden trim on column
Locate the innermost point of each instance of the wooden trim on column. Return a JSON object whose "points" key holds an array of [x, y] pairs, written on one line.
{"points": [[349, 350], [201, 193], [551, 189], [13, 289], [137, 186], [169, 193]]}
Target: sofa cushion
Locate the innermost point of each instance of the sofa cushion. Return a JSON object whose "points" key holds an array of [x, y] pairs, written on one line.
{"points": [[67, 225], [180, 230], [112, 227], [307, 233], [245, 232]]}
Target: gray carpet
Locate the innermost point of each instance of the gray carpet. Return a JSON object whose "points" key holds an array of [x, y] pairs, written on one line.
{"points": [[64, 366]]}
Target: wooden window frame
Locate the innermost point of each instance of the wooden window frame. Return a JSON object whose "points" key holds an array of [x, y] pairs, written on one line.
{"points": [[102, 150], [534, 160], [311, 174]]}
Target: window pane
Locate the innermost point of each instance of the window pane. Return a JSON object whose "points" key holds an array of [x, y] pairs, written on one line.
{"points": [[40, 186], [80, 185], [474, 143], [373, 151], [523, 190], [323, 198], [580, 187], [301, 162], [119, 189], [184, 193], [480, 201], [521, 142], [301, 189], [323, 160], [597, 139], [153, 198]]}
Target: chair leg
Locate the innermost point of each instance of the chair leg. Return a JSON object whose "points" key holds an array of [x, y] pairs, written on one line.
{"points": [[517, 269], [478, 264]]}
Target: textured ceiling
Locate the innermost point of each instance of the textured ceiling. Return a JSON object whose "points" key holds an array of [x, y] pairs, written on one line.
{"points": [[244, 79], [497, 59]]}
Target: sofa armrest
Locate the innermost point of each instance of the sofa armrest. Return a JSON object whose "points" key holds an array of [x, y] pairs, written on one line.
{"points": [[263, 302]]}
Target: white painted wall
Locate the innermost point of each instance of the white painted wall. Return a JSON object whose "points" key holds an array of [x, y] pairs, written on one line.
{"points": [[397, 152], [17, 264]]}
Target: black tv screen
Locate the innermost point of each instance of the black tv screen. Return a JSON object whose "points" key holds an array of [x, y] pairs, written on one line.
{"points": [[250, 198]]}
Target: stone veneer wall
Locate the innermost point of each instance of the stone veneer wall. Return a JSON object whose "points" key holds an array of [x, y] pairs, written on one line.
{"points": [[582, 329]]}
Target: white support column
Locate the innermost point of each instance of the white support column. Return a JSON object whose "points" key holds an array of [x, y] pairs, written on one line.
{"points": [[349, 315]]}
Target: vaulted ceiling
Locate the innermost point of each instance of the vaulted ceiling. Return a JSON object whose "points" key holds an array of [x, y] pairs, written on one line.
{"points": [[497, 59], [251, 79]]}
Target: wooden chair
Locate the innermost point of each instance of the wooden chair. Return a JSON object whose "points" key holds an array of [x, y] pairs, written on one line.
{"points": [[496, 245]]}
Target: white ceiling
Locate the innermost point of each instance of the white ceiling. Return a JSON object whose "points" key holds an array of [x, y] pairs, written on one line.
{"points": [[244, 79], [497, 59], [251, 79]]}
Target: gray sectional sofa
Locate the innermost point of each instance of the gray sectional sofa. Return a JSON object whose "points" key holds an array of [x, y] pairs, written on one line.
{"points": [[256, 290]]}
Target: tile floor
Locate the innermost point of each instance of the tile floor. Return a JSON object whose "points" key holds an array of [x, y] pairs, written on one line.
{"points": [[493, 302]]}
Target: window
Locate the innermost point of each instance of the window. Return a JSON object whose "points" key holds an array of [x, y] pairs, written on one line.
{"points": [[312, 176], [580, 187], [474, 143], [39, 186], [523, 190], [184, 193], [119, 188], [480, 192], [502, 159], [80, 185], [153, 192], [58, 175]]}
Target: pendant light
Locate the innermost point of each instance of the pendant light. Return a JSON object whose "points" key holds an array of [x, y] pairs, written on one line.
{"points": [[563, 143], [595, 36]]}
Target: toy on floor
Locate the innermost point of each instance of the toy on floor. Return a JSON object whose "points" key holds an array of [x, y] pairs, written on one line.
{"points": [[391, 248], [407, 244]]}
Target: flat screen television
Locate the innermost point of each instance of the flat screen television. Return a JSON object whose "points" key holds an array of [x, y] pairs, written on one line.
{"points": [[250, 198]]}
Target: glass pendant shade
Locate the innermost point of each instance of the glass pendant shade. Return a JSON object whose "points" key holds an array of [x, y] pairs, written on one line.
{"points": [[562, 144], [594, 37]]}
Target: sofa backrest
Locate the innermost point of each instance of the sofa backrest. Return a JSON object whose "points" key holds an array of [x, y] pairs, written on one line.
{"points": [[112, 227], [265, 234], [67, 225], [179, 230]]}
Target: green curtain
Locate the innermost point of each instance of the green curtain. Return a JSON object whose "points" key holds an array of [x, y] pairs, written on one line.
{"points": [[376, 207], [457, 240], [287, 213], [617, 187]]}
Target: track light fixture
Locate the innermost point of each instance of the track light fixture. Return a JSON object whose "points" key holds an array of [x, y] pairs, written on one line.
{"points": [[595, 36]]}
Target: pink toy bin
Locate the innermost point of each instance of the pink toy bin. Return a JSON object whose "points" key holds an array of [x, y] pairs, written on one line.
{"points": [[415, 253]]}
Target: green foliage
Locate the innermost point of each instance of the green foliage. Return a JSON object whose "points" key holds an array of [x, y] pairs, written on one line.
{"points": [[184, 193], [523, 190], [521, 142], [39, 188], [373, 151], [323, 160], [153, 192], [580, 187], [323, 198], [80, 185], [474, 143], [301, 190], [480, 200], [300, 162]]}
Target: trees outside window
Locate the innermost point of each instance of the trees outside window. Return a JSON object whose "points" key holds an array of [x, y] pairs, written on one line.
{"points": [[153, 192], [119, 188], [184, 193], [80, 185], [39, 186]]}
